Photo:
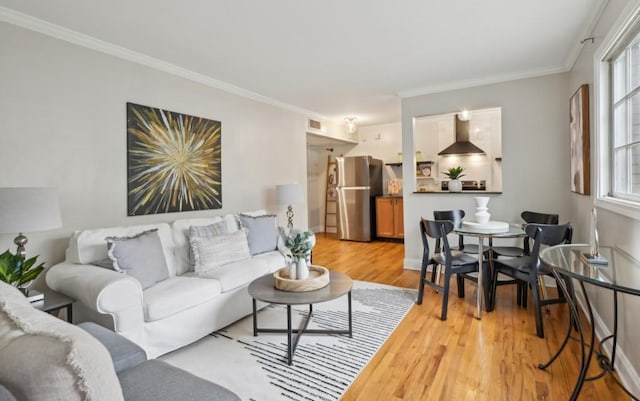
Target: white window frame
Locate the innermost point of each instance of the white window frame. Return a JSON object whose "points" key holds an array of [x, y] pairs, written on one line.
{"points": [[626, 27]]}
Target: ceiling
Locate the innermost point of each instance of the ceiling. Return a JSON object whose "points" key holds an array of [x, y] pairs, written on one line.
{"points": [[331, 58]]}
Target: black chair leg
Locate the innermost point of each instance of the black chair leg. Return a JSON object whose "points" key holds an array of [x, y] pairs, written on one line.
{"points": [[445, 296], [460, 281], [493, 290], [537, 310], [423, 274], [569, 283], [525, 294], [519, 293]]}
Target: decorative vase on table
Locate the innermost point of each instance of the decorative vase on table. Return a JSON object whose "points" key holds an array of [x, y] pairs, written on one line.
{"points": [[293, 270], [302, 271], [455, 186], [482, 214]]}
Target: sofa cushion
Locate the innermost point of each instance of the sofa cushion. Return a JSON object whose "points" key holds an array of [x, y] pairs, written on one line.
{"points": [[124, 353], [263, 232], [209, 231], [181, 237], [177, 294], [156, 380], [88, 246], [211, 253], [140, 256], [45, 358], [234, 275]]}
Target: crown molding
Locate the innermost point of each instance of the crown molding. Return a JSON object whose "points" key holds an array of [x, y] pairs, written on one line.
{"points": [[472, 83], [565, 67], [595, 16], [59, 32]]}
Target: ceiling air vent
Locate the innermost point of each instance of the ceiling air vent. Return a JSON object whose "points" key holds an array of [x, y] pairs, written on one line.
{"points": [[314, 125]]}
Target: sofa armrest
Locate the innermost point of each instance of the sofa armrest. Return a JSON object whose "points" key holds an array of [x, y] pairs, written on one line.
{"points": [[124, 353], [101, 290]]}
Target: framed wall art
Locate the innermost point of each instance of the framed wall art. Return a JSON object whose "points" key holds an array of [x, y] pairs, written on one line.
{"points": [[579, 130], [173, 162]]}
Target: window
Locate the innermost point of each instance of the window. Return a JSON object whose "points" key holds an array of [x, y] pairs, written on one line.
{"points": [[617, 100], [625, 130]]}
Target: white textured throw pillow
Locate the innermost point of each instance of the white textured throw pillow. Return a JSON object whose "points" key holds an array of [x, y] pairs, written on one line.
{"points": [[46, 359], [208, 231], [211, 253], [140, 256]]}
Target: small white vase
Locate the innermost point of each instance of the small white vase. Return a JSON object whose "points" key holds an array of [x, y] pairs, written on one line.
{"points": [[455, 186], [482, 215], [302, 271], [293, 270]]}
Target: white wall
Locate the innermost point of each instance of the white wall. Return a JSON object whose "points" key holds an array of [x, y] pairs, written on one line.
{"points": [[63, 113], [614, 229], [380, 141], [535, 143]]}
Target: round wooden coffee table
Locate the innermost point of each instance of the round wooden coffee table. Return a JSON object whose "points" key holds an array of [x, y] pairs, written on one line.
{"points": [[262, 289]]}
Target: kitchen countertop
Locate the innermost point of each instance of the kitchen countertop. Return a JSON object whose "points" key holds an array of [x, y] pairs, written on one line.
{"points": [[457, 193]]}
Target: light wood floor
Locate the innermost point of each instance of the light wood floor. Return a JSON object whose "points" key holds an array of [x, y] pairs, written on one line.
{"points": [[461, 358]]}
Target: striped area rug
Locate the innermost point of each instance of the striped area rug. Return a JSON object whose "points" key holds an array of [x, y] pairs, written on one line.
{"points": [[323, 367]]}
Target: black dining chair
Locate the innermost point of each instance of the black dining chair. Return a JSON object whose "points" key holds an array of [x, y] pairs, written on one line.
{"points": [[529, 269], [455, 216], [528, 217], [458, 263]]}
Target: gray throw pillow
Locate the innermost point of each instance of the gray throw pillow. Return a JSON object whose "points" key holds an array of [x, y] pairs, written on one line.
{"points": [[140, 256], [206, 232], [263, 232]]}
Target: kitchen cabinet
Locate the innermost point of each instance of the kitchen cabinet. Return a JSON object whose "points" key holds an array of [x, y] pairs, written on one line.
{"points": [[389, 217]]}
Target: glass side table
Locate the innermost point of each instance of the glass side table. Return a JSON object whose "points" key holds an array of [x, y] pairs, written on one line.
{"points": [[567, 260]]}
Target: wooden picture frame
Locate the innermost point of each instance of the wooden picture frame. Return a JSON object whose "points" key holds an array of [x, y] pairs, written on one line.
{"points": [[579, 130]]}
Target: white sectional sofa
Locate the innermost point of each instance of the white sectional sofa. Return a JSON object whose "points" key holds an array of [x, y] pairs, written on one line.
{"points": [[173, 312]]}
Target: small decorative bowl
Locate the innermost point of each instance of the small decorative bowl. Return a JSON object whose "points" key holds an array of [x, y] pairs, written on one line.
{"points": [[318, 278]]}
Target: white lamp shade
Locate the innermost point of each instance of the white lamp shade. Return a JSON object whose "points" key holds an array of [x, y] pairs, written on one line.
{"points": [[24, 210], [289, 194]]}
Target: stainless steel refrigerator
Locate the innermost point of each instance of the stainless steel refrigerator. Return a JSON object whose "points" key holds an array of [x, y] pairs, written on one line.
{"points": [[359, 182]]}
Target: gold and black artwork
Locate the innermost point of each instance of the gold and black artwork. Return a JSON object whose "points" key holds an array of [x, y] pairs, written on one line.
{"points": [[173, 162]]}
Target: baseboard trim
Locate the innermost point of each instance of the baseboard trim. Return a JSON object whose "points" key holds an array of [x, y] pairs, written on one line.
{"points": [[412, 264]]}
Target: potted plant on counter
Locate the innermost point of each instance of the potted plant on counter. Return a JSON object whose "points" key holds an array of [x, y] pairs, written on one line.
{"points": [[454, 174]]}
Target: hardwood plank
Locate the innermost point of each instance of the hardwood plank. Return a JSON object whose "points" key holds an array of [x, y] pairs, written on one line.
{"points": [[461, 358]]}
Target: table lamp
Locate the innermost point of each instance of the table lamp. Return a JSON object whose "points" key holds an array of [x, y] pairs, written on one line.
{"points": [[288, 195], [28, 209]]}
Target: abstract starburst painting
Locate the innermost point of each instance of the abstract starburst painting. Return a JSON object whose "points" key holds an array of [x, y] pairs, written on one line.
{"points": [[173, 161]]}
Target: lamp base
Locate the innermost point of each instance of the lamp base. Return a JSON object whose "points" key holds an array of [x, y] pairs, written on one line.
{"points": [[290, 217], [20, 241]]}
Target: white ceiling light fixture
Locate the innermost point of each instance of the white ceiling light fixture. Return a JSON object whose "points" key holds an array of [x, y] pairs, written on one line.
{"points": [[350, 125], [464, 115]]}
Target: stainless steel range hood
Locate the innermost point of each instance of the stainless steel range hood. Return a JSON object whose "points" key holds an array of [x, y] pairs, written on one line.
{"points": [[462, 145]]}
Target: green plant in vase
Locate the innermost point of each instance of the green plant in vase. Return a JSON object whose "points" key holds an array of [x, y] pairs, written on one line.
{"points": [[17, 271], [299, 245], [454, 174]]}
